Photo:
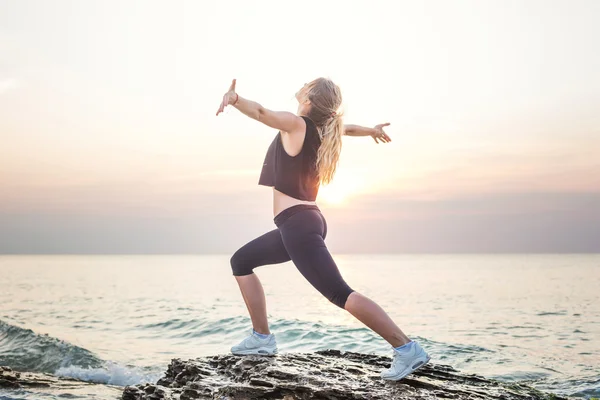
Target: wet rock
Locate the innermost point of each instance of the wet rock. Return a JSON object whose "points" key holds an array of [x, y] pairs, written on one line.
{"points": [[38, 384], [10, 379], [324, 375]]}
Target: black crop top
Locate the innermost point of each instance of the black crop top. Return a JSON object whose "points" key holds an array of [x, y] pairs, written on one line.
{"points": [[295, 176]]}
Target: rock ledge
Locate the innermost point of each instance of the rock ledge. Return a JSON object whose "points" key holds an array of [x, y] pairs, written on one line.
{"points": [[328, 374]]}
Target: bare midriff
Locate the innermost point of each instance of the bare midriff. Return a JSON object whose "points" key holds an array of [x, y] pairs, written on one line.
{"points": [[281, 201]]}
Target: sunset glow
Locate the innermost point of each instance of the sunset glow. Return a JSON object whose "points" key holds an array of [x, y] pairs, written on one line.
{"points": [[346, 184], [107, 112]]}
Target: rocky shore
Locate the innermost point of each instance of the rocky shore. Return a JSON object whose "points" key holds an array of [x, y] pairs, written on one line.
{"points": [[330, 375], [35, 385]]}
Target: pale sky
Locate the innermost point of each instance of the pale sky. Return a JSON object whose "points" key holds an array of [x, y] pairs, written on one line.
{"points": [[110, 143]]}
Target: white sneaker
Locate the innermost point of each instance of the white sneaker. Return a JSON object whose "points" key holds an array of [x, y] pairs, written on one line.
{"points": [[406, 362], [255, 345]]}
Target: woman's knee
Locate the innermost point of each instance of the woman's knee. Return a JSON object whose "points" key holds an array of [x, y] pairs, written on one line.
{"points": [[340, 296], [240, 265]]}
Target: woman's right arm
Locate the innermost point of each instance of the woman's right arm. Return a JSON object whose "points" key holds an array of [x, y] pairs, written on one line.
{"points": [[283, 120]]}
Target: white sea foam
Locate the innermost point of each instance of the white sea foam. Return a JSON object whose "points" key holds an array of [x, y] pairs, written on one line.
{"points": [[111, 373]]}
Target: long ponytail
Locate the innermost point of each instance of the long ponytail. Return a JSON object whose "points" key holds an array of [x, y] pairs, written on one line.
{"points": [[331, 146], [326, 98]]}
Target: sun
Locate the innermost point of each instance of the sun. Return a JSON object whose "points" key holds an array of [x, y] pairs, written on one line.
{"points": [[331, 195], [340, 190]]}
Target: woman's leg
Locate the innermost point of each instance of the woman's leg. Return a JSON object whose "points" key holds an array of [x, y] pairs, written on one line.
{"points": [[264, 250], [372, 315], [303, 236]]}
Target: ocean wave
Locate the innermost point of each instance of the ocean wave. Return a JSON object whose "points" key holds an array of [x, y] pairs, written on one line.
{"points": [[24, 350], [586, 386]]}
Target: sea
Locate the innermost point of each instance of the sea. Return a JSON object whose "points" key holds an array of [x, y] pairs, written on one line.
{"points": [[118, 320]]}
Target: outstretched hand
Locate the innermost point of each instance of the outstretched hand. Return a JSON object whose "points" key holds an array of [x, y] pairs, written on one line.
{"points": [[379, 134], [228, 98]]}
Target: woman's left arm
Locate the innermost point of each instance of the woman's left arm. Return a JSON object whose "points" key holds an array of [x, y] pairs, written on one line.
{"points": [[282, 120], [376, 133]]}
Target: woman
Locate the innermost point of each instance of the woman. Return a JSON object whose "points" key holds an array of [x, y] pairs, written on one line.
{"points": [[303, 155]]}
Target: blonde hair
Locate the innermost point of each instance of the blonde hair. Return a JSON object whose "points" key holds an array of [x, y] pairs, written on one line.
{"points": [[326, 98]]}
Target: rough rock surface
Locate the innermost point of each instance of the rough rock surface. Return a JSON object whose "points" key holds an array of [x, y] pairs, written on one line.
{"points": [[329, 374]]}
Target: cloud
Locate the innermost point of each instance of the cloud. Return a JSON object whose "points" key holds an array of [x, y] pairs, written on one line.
{"points": [[7, 84]]}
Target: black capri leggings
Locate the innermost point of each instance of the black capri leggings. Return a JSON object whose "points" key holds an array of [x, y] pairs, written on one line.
{"points": [[300, 234]]}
